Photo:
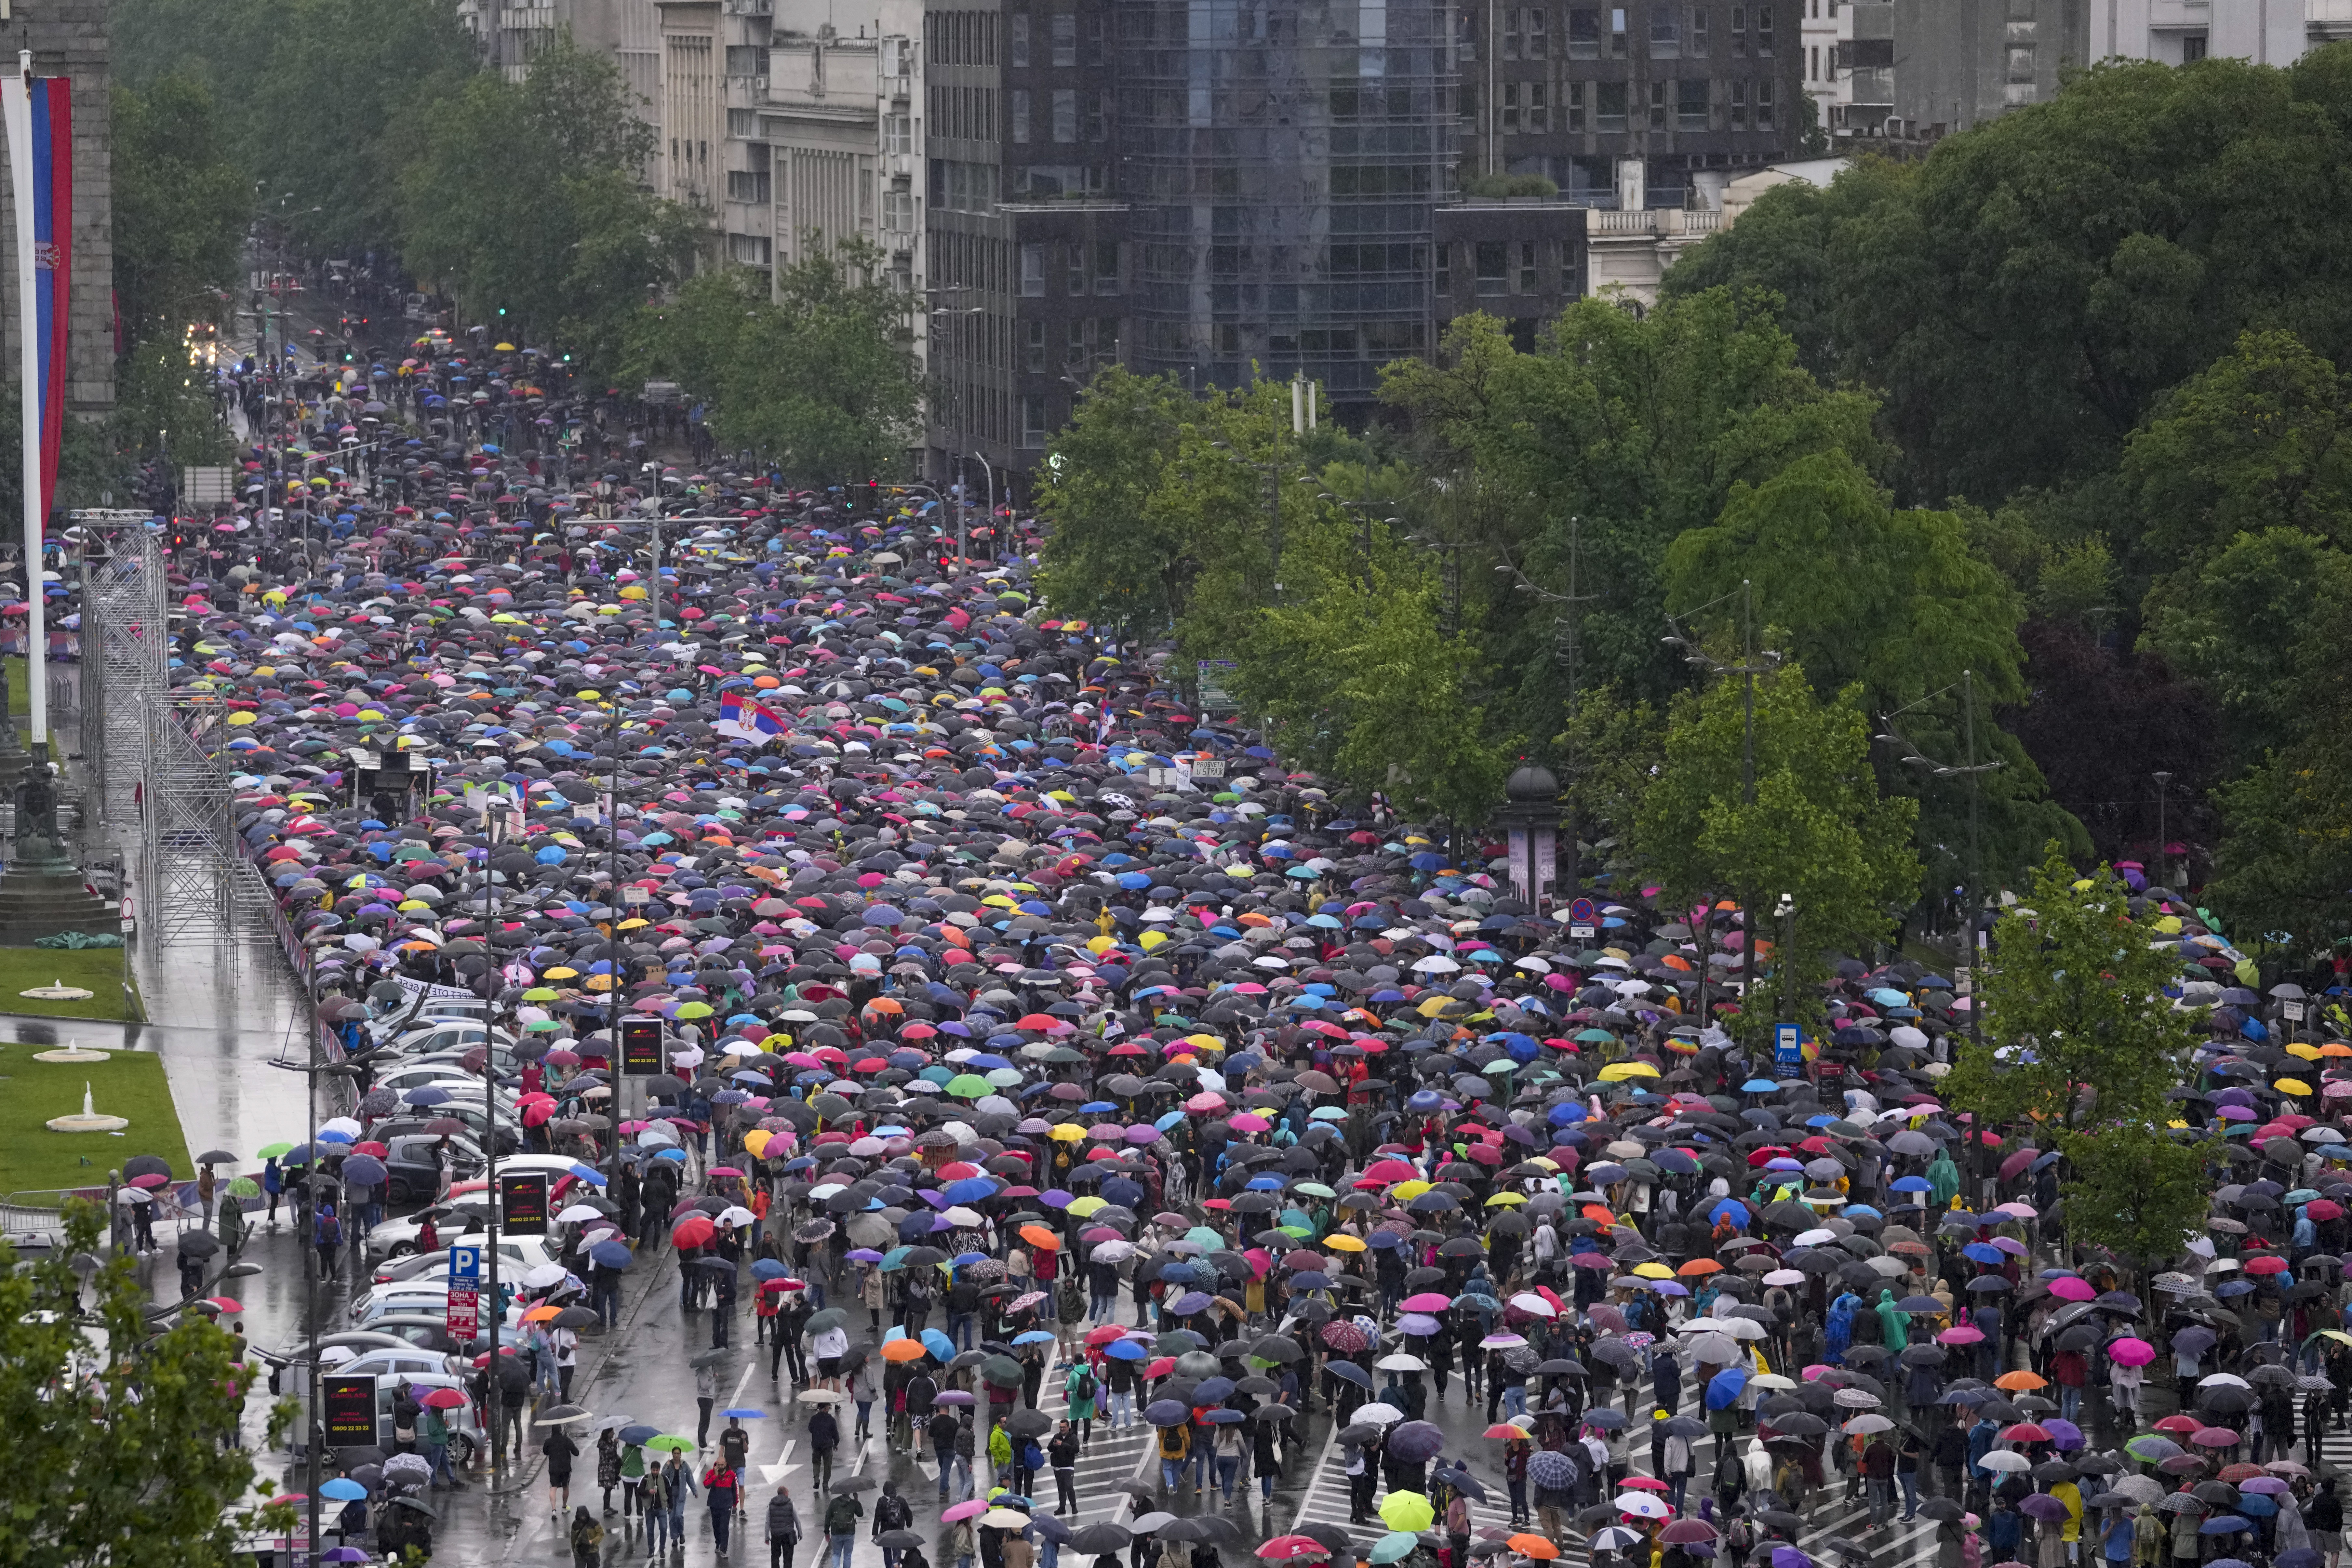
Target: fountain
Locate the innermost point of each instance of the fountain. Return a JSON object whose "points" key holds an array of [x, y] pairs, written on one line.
{"points": [[89, 1120], [71, 1050]]}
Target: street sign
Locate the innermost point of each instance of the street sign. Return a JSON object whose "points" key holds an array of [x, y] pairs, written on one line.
{"points": [[347, 1411], [465, 1292], [641, 1046], [1584, 919], [522, 1204], [1583, 933], [2293, 1011], [1788, 1052]]}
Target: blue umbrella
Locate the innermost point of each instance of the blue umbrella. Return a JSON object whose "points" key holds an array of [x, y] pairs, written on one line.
{"points": [[1723, 1389], [745, 1414], [342, 1489], [2227, 1524], [1982, 1253], [1035, 1337], [939, 1345], [612, 1255], [1119, 1348], [770, 1269]]}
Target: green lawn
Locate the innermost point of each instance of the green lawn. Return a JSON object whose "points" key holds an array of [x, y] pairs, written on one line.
{"points": [[97, 970], [20, 696], [130, 1083]]}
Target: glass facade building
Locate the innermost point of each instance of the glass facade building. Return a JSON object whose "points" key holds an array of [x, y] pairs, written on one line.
{"points": [[1282, 160]]}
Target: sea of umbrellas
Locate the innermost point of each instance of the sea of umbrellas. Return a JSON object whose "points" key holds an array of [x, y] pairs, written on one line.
{"points": [[977, 937]]}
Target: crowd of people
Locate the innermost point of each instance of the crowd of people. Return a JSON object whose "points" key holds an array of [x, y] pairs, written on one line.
{"points": [[1032, 1036]]}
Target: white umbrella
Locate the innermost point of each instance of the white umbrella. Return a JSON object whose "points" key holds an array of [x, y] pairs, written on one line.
{"points": [[544, 1275], [1641, 1505], [1400, 1362], [736, 1215], [578, 1214], [1378, 1413]]}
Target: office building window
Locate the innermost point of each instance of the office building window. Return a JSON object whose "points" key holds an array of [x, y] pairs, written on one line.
{"points": [[1098, 40], [1445, 269], [1020, 39], [898, 211], [1065, 38], [1738, 31], [1035, 359], [1763, 32], [1510, 32], [1526, 266], [1106, 266], [1694, 44], [1574, 107], [1609, 106], [1032, 419], [1665, 32], [1033, 271], [1567, 284], [1813, 63], [1657, 106], [1074, 345], [1764, 106], [747, 186], [748, 250], [1739, 106], [2192, 48], [897, 134], [1584, 33], [1494, 266], [1539, 106], [1536, 30], [1510, 106], [1690, 104], [742, 124], [1097, 117], [1074, 258], [1020, 97], [1066, 114], [1618, 49]]}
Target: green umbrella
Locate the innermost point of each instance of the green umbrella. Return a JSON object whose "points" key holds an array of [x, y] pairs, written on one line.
{"points": [[1001, 1370], [967, 1086], [271, 1151], [1407, 1511], [244, 1187], [670, 1443], [1394, 1547], [1314, 1189]]}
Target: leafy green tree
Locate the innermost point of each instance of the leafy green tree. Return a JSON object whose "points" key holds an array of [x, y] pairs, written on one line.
{"points": [[115, 1428], [1352, 669], [1617, 435], [2260, 439], [2249, 626], [820, 378], [2029, 293], [1111, 557], [1818, 831], [2077, 1030], [522, 202], [2137, 1191], [181, 205]]}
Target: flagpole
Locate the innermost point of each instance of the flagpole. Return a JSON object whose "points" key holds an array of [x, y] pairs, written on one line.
{"points": [[18, 105]]}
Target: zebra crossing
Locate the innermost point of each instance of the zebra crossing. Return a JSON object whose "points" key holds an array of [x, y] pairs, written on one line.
{"points": [[1893, 1545]]}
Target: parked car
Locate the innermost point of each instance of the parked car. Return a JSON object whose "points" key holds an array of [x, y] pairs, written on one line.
{"points": [[413, 1164], [516, 1253], [467, 1112]]}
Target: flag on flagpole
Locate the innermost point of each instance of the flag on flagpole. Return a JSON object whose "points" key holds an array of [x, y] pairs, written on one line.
{"points": [[38, 112]]}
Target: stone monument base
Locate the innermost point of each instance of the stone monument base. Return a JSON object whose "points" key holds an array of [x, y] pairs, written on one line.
{"points": [[36, 902]]}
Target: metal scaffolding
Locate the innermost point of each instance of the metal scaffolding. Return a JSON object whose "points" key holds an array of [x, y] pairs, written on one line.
{"points": [[158, 755], [125, 650]]}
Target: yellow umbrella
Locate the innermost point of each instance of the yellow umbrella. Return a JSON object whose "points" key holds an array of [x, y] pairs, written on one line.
{"points": [[1505, 1200], [1618, 1072], [1067, 1132], [1344, 1243], [2308, 1052], [1083, 1206], [2290, 1086], [1406, 1191], [1653, 1272]]}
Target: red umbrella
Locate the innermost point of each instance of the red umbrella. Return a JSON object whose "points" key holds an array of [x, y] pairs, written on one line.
{"points": [[2269, 1263], [1344, 1336], [693, 1230], [442, 1399], [1283, 1548], [2179, 1424], [2214, 1437]]}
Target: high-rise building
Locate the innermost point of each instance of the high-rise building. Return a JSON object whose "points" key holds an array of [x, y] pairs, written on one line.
{"points": [[1284, 161]]}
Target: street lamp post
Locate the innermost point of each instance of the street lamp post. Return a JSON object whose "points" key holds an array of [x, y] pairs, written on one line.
{"points": [[2163, 851], [1971, 891], [1752, 661], [1781, 959]]}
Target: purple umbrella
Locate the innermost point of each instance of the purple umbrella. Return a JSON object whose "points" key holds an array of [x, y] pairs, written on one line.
{"points": [[1416, 1442]]}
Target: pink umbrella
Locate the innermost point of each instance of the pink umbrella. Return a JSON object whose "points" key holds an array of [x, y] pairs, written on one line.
{"points": [[2129, 1351], [2214, 1437], [1961, 1334], [2067, 1287], [1428, 1302], [964, 1510]]}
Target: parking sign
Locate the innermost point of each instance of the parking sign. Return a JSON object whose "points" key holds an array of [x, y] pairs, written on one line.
{"points": [[465, 1292], [1788, 1052]]}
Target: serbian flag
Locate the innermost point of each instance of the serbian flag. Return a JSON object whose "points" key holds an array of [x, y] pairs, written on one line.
{"points": [[748, 716], [38, 114]]}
